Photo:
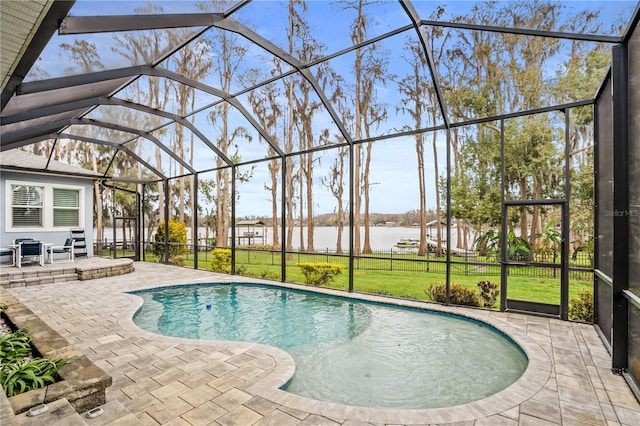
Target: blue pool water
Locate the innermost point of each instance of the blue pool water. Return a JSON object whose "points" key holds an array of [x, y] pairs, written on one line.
{"points": [[346, 351]]}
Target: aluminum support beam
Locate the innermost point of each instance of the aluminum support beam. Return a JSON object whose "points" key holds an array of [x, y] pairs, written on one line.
{"points": [[143, 134], [161, 72], [566, 219], [424, 40], [620, 325], [57, 11], [79, 80], [118, 146], [116, 23], [100, 142], [597, 38], [132, 71]]}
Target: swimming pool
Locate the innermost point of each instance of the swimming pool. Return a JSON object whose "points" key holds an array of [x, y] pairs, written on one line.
{"points": [[346, 351]]}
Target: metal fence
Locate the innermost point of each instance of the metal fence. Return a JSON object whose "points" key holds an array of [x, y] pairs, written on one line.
{"points": [[469, 263]]}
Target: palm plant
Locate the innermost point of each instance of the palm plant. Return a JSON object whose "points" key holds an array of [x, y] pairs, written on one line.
{"points": [[549, 240]]}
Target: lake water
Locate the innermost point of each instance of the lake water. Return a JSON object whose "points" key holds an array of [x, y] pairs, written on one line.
{"points": [[325, 237]]}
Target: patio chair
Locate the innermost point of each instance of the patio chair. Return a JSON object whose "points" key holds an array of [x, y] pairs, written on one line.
{"points": [[7, 252], [29, 248], [67, 249]]}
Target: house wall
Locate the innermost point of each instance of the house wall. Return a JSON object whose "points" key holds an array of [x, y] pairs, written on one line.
{"points": [[57, 236]]}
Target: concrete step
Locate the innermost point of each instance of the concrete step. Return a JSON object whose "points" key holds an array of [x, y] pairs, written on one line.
{"points": [[59, 413], [7, 416], [113, 411], [25, 282], [33, 275]]}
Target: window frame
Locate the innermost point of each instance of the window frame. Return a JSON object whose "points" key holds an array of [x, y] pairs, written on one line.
{"points": [[64, 208], [47, 206], [38, 207]]}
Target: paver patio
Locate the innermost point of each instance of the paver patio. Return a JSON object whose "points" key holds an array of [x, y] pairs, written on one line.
{"points": [[165, 380]]}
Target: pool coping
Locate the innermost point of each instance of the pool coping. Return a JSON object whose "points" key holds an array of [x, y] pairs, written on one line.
{"points": [[538, 372]]}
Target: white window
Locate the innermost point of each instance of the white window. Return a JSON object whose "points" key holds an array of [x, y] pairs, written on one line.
{"points": [[26, 205], [66, 207], [45, 207]]}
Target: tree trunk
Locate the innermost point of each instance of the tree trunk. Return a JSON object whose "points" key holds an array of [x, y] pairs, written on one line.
{"points": [[536, 227], [367, 191], [524, 229], [273, 169], [161, 200], [438, 216], [356, 199], [422, 249], [310, 224], [300, 208]]}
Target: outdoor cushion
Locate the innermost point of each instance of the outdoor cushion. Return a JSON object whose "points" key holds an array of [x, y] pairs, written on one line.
{"points": [[67, 248], [63, 249]]}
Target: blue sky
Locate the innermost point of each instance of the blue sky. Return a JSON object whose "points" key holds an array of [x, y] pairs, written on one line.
{"points": [[394, 187]]}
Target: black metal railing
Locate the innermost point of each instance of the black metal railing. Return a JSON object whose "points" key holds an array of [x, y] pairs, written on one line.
{"points": [[468, 263]]}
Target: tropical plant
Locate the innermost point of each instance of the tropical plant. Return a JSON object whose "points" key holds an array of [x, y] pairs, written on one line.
{"points": [[519, 247], [488, 244], [586, 247], [26, 375], [15, 346], [549, 241]]}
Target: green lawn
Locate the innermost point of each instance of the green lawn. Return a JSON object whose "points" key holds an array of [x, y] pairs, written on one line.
{"points": [[414, 284], [399, 283]]}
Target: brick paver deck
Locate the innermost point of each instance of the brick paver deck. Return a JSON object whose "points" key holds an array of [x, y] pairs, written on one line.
{"points": [[172, 381]]}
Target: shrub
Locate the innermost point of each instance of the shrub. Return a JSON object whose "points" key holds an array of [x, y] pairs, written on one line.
{"points": [[488, 293], [582, 309], [268, 274], [320, 273], [437, 292], [459, 294], [221, 261], [177, 242]]}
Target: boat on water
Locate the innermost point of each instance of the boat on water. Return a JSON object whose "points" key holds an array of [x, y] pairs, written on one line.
{"points": [[408, 243]]}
